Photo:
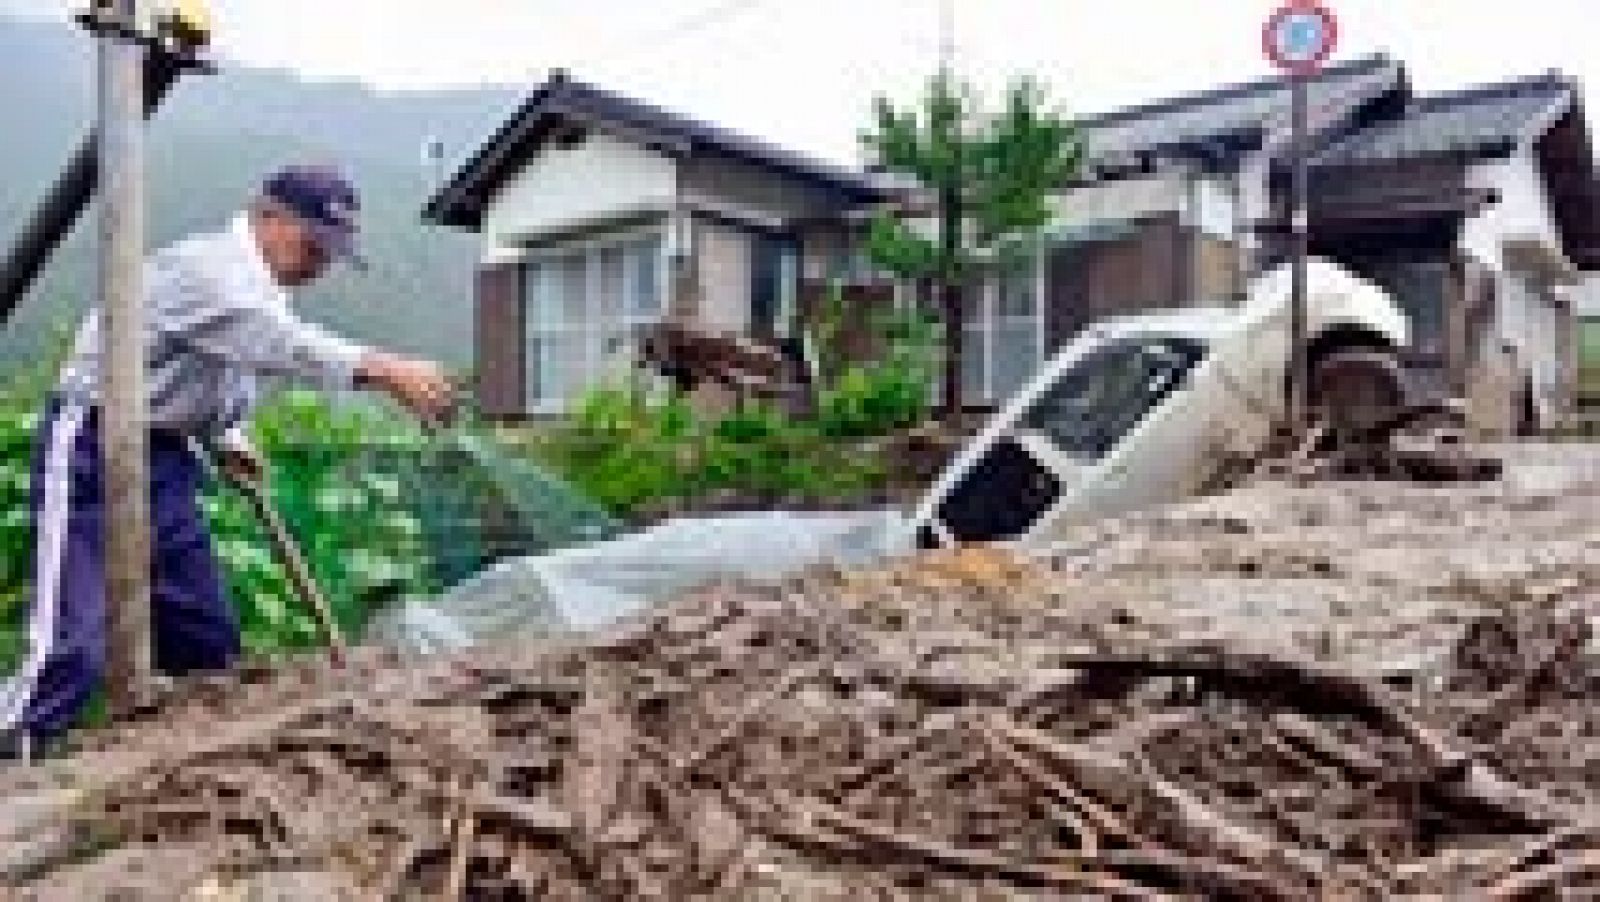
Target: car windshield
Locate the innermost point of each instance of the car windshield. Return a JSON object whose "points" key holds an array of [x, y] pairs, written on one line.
{"points": [[1099, 399]]}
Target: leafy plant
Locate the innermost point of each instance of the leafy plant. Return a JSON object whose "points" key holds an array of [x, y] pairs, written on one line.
{"points": [[989, 176], [23, 391], [638, 455], [361, 537], [857, 399]]}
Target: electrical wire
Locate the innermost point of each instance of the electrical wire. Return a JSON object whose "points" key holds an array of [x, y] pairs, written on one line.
{"points": [[707, 17]]}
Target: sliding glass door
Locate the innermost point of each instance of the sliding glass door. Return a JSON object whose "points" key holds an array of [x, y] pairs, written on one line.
{"points": [[586, 307]]}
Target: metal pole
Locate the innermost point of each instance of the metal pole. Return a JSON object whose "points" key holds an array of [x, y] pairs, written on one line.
{"points": [[947, 34], [1300, 228], [123, 404]]}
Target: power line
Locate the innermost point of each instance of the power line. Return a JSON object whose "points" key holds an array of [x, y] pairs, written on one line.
{"points": [[709, 17], [705, 18]]}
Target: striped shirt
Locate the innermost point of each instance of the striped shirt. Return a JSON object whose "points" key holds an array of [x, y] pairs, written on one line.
{"points": [[218, 331]]}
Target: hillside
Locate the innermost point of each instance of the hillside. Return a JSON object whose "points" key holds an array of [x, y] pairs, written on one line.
{"points": [[210, 144]]}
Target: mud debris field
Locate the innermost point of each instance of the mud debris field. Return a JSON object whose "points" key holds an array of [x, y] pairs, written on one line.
{"points": [[1332, 691]]}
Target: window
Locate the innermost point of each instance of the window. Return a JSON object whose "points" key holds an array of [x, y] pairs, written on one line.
{"points": [[1003, 337], [1103, 396], [586, 306], [772, 288]]}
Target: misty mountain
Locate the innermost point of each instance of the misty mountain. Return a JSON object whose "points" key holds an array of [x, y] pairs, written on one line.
{"points": [[210, 144]]}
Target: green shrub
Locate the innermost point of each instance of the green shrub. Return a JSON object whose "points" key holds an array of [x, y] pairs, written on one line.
{"points": [[19, 419], [634, 454], [361, 540], [863, 400], [361, 537]]}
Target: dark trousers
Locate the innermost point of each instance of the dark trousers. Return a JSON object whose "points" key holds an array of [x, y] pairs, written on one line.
{"points": [[194, 626]]}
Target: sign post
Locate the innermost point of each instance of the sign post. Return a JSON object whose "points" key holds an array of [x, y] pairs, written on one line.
{"points": [[1298, 38]]}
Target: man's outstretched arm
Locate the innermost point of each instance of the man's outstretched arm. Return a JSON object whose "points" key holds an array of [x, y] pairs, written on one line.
{"points": [[277, 343]]}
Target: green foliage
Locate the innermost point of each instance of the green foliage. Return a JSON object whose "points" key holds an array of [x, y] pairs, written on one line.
{"points": [[636, 455], [1027, 152], [750, 424], [362, 540], [16, 537], [826, 331], [988, 174], [21, 393], [858, 400], [866, 403], [623, 450]]}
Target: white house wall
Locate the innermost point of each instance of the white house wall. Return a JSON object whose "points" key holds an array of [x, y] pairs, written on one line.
{"points": [[1532, 325], [736, 188], [1526, 317], [1213, 209], [1521, 211], [601, 179], [1585, 298]]}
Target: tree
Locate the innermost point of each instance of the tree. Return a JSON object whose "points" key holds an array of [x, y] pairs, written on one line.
{"points": [[988, 178]]}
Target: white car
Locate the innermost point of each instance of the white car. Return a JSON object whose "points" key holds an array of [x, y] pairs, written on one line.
{"points": [[1142, 410]]}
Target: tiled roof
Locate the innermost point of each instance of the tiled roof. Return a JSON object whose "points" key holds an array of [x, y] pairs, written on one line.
{"points": [[460, 202], [1239, 113], [1487, 120]]}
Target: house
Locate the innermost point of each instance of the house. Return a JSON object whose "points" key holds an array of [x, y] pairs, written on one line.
{"points": [[602, 216], [1475, 208]]}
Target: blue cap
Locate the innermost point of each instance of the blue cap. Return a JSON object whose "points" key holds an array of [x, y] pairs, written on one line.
{"points": [[326, 202]]}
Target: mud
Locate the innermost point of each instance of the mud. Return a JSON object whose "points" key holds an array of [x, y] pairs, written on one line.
{"points": [[1332, 691]]}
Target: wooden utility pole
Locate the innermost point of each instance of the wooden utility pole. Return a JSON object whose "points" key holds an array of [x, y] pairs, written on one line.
{"points": [[124, 416]]}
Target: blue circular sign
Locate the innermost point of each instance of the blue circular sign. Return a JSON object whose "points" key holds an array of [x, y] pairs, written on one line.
{"points": [[1300, 36]]}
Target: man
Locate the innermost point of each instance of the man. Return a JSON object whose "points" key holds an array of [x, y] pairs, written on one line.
{"points": [[219, 328]]}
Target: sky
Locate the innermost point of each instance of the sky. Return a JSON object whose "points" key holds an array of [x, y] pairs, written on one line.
{"points": [[802, 73]]}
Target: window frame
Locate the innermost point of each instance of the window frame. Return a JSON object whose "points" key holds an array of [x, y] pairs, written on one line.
{"points": [[595, 324], [980, 330]]}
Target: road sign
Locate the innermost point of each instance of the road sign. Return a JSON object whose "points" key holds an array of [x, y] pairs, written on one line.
{"points": [[1300, 36]]}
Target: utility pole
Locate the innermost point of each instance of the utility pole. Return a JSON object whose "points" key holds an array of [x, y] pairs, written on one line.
{"points": [[124, 418], [951, 302], [947, 35]]}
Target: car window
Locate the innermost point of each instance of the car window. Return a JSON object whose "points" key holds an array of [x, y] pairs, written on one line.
{"points": [[1098, 400]]}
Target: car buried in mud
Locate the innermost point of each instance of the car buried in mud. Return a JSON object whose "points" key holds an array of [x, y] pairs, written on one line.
{"points": [[1145, 410]]}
